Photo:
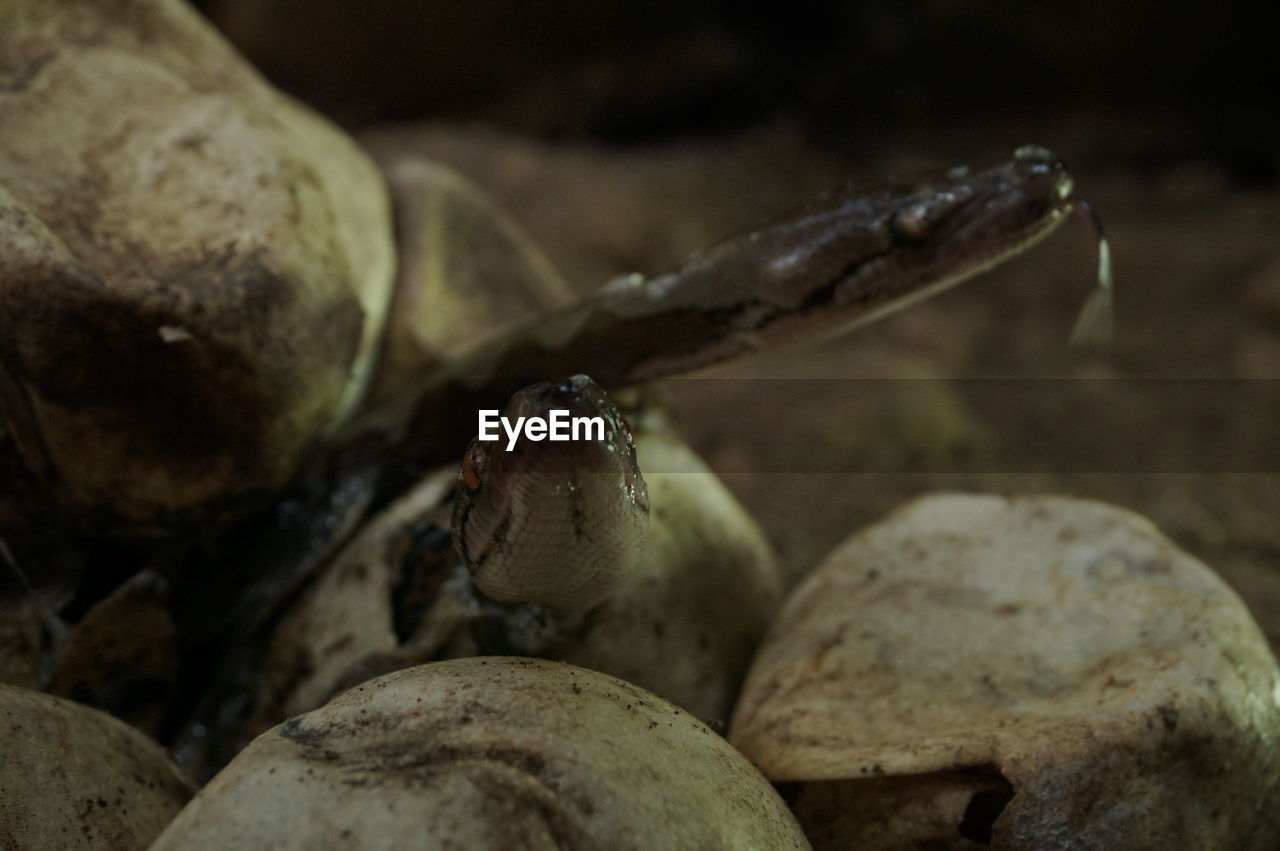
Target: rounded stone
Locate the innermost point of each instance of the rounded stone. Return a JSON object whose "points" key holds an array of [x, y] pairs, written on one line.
{"points": [[1037, 672]]}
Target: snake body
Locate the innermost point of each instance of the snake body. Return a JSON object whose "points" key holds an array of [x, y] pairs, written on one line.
{"points": [[851, 256], [559, 524]]}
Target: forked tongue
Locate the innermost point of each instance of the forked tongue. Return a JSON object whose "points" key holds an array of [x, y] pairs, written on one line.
{"points": [[1096, 323]]}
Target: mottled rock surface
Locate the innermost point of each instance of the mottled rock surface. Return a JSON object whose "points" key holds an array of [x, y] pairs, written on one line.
{"points": [[1033, 672], [194, 268], [75, 778], [489, 753]]}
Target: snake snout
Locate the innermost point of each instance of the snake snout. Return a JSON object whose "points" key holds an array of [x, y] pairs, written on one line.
{"points": [[557, 523], [599, 436]]}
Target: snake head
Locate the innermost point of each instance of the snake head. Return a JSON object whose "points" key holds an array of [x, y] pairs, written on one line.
{"points": [[558, 523]]}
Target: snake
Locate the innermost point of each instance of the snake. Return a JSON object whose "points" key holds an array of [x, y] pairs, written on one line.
{"points": [[853, 255], [553, 523], [559, 524]]}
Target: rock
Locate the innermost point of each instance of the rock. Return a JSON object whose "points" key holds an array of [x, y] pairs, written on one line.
{"points": [[1035, 672], [466, 270], [75, 778], [688, 622], [349, 613], [122, 656], [194, 268], [684, 626], [488, 753]]}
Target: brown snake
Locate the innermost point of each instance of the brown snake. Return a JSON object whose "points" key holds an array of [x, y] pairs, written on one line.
{"points": [[561, 524], [851, 256], [558, 524]]}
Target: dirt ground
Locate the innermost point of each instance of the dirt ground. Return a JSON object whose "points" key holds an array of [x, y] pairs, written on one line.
{"points": [[977, 389]]}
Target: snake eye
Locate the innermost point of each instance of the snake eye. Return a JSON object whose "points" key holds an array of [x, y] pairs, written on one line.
{"points": [[473, 466]]}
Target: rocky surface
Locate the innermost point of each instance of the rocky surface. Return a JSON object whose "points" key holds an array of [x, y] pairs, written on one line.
{"points": [[489, 753], [196, 267], [76, 778], [1030, 672]]}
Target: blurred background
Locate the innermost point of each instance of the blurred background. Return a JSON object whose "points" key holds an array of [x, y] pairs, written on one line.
{"points": [[1174, 80], [623, 135]]}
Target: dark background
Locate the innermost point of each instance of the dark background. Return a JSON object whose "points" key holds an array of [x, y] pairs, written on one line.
{"points": [[623, 134], [1179, 79]]}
